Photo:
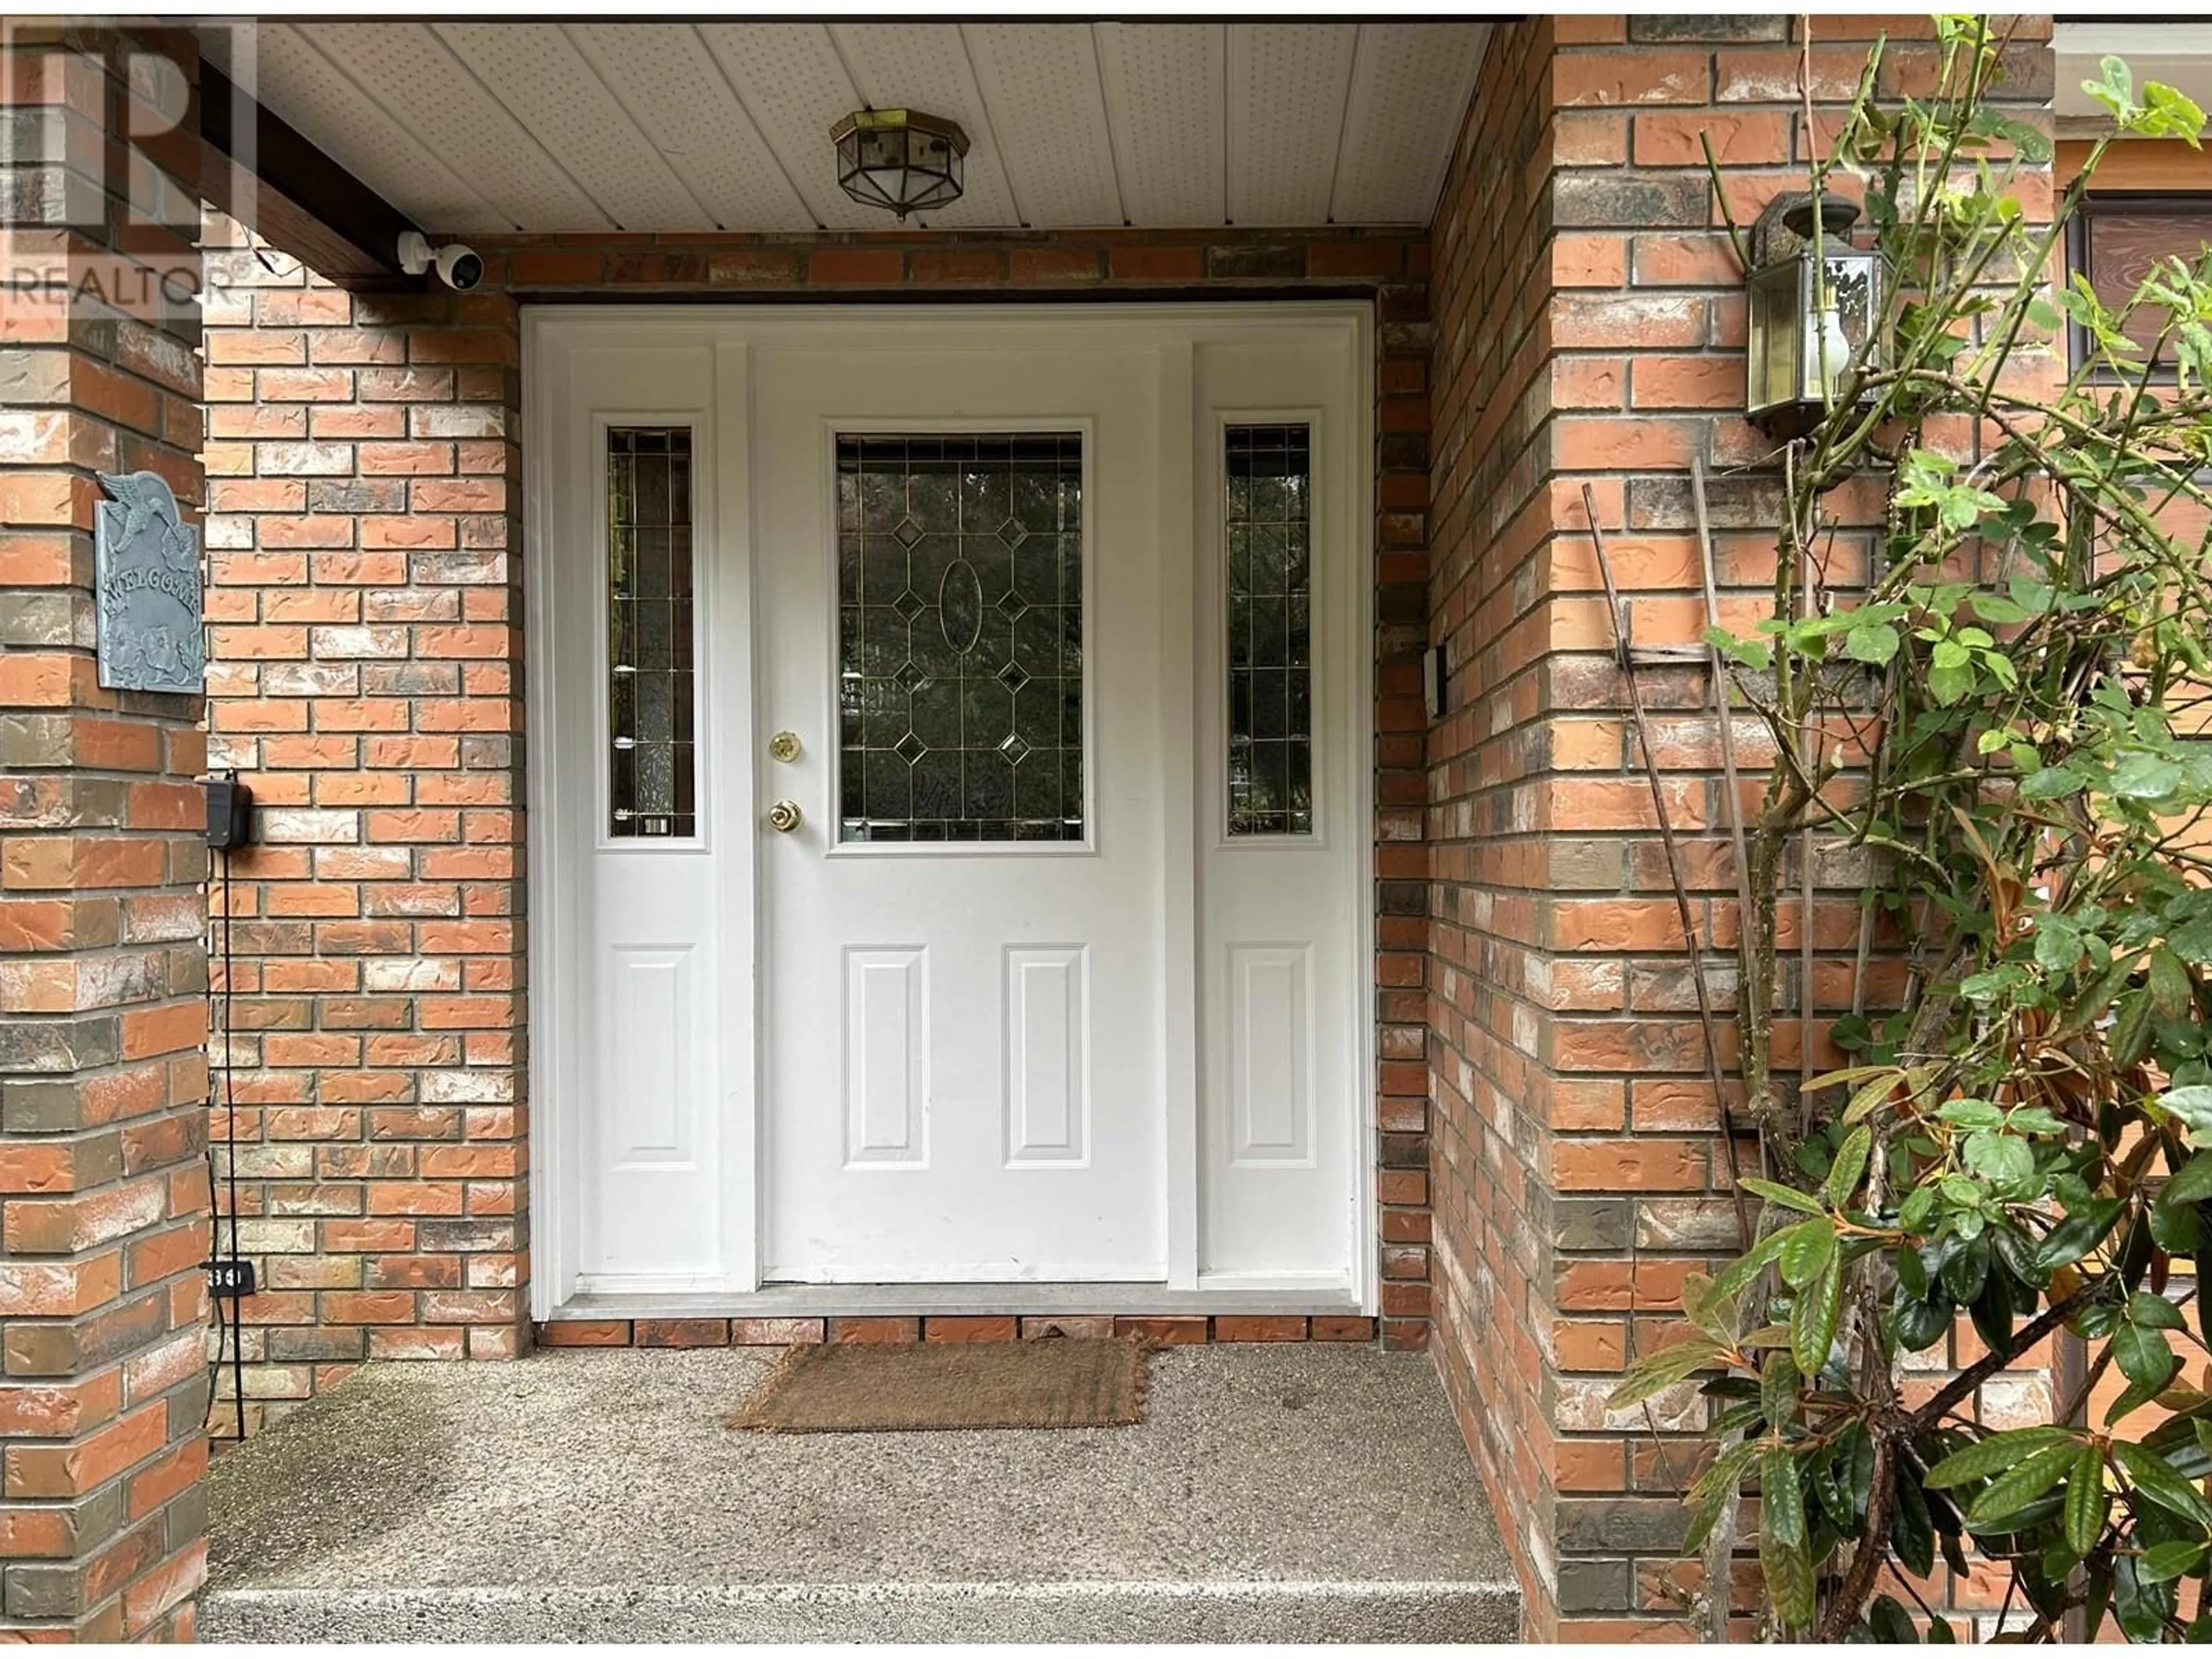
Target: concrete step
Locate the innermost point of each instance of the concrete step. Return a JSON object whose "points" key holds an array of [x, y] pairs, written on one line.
{"points": [[1310, 1492], [1077, 1611]]}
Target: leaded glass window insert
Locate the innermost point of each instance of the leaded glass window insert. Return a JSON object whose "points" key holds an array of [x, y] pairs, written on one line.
{"points": [[1270, 655], [960, 637], [649, 640]]}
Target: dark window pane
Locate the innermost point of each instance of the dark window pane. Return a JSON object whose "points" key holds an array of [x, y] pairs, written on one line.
{"points": [[960, 643], [1269, 529], [2123, 237], [649, 646]]}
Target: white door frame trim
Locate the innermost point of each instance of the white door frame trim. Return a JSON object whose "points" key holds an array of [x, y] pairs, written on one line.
{"points": [[555, 873]]}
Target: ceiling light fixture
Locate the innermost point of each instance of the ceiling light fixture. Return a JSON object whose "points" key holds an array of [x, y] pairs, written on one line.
{"points": [[899, 159]]}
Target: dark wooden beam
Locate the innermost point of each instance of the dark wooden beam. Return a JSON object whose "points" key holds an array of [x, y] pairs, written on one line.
{"points": [[290, 193]]}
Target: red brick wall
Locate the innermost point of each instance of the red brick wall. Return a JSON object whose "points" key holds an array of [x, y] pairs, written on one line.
{"points": [[367, 678], [1490, 372], [103, 1189], [1588, 329]]}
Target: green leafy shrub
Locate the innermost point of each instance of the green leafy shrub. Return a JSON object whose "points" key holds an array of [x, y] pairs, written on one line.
{"points": [[2003, 721]]}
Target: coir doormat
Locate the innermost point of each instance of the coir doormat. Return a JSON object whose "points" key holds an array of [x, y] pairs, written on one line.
{"points": [[862, 1388]]}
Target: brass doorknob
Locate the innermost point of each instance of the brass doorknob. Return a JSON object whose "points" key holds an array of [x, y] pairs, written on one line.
{"points": [[784, 816]]}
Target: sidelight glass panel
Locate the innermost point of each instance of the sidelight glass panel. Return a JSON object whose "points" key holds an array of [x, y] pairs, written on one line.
{"points": [[1270, 532], [649, 640], [960, 637]]}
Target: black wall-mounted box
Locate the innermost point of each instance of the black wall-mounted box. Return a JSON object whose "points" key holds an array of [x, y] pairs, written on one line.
{"points": [[230, 813]]}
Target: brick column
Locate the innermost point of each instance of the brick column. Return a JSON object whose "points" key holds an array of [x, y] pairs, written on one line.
{"points": [[103, 1073], [1401, 861], [1589, 327], [1491, 1260]]}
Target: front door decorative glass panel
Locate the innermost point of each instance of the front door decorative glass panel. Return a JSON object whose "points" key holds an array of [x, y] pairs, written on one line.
{"points": [[960, 637], [649, 649], [1270, 470]]}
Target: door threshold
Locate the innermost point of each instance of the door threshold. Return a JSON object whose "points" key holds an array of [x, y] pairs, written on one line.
{"points": [[820, 1301]]}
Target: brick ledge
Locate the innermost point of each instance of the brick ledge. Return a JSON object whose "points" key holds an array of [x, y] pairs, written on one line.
{"points": [[1175, 1329]]}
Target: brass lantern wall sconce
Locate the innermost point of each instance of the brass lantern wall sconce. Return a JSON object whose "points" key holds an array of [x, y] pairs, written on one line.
{"points": [[900, 160], [1815, 299]]}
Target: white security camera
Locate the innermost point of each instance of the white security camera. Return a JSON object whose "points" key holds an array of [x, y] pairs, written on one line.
{"points": [[459, 266]]}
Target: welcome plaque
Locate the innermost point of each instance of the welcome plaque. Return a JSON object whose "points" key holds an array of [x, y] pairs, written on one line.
{"points": [[147, 578]]}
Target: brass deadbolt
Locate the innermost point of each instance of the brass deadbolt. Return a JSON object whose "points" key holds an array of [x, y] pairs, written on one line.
{"points": [[784, 746]]}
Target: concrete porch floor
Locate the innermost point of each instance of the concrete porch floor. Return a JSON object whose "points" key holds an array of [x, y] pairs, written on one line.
{"points": [[1305, 1492]]}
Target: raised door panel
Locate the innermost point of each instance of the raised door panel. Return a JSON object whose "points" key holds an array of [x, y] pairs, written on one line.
{"points": [[1047, 1055], [887, 1057]]}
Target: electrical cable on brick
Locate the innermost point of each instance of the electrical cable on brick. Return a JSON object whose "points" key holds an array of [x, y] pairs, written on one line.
{"points": [[231, 1278]]}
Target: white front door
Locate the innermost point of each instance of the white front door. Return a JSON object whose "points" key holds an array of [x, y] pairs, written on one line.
{"points": [[948, 806], [960, 587]]}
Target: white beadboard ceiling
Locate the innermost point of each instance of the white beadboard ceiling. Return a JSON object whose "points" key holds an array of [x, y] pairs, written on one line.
{"points": [[482, 126]]}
